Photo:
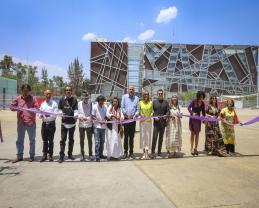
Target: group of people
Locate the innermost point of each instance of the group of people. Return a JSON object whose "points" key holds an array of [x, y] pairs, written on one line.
{"points": [[111, 124]]}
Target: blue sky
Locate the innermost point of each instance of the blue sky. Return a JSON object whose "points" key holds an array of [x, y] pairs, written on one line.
{"points": [[54, 32]]}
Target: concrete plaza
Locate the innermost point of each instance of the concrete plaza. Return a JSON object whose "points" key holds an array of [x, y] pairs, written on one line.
{"points": [[204, 181]]}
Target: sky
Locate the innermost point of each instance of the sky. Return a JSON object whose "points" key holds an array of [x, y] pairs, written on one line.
{"points": [[52, 33]]}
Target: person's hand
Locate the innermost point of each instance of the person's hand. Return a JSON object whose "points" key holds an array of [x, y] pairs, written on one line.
{"points": [[115, 117], [156, 119]]}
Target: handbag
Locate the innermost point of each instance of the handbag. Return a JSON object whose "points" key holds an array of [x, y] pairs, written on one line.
{"points": [[121, 131]]}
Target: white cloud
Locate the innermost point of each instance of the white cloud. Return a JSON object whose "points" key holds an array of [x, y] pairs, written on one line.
{"points": [[52, 69], [146, 35], [129, 40], [89, 36], [166, 15], [158, 41]]}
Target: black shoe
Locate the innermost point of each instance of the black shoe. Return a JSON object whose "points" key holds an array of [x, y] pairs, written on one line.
{"points": [[82, 158], [103, 157], [153, 156], [71, 157], [17, 160], [125, 156], [132, 156], [51, 158], [43, 158], [31, 159], [61, 160], [97, 160]]}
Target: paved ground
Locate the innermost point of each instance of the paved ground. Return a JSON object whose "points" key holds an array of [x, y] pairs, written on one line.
{"points": [[184, 182]]}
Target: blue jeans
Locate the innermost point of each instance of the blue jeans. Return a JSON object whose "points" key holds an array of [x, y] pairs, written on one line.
{"points": [[99, 136], [31, 130]]}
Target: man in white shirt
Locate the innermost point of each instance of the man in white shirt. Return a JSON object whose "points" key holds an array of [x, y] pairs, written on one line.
{"points": [[48, 126], [99, 116], [85, 124]]}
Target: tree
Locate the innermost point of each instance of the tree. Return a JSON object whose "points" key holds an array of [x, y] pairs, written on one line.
{"points": [[32, 78], [76, 76], [58, 81], [6, 64], [44, 77]]}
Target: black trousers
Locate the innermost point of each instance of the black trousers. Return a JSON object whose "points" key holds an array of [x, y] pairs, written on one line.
{"points": [[158, 130], [129, 132], [47, 133], [64, 132], [89, 133]]}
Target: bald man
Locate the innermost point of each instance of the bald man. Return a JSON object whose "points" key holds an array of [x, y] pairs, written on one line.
{"points": [[130, 110], [48, 127]]}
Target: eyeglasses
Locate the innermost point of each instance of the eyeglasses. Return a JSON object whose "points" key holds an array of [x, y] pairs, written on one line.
{"points": [[160, 93]]}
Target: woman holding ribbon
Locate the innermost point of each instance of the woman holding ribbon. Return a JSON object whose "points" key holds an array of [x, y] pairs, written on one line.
{"points": [[174, 128], [146, 110], [214, 142], [196, 107], [229, 118], [114, 130]]}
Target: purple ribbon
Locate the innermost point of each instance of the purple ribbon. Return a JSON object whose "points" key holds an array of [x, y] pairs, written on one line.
{"points": [[201, 118]]}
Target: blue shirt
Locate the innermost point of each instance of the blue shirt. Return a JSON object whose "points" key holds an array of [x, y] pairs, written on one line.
{"points": [[130, 105]]}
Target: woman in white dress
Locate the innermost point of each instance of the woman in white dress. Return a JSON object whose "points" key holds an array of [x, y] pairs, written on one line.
{"points": [[113, 131], [174, 128]]}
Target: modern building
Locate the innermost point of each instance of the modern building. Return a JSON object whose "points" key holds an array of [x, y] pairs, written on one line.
{"points": [[176, 68], [8, 91]]}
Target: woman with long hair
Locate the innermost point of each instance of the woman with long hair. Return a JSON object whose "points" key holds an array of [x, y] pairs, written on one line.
{"points": [[174, 128], [196, 107], [146, 110], [113, 132], [214, 142]]}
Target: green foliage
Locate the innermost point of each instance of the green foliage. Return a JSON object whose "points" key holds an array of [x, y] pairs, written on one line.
{"points": [[187, 96], [76, 76], [28, 74], [6, 65]]}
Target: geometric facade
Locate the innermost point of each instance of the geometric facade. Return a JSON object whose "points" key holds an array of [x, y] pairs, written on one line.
{"points": [[221, 69], [109, 67]]}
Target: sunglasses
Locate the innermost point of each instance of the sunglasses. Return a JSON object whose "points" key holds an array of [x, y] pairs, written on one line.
{"points": [[68, 90]]}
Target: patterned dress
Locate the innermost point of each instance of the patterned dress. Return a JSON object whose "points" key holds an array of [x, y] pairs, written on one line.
{"points": [[228, 131], [214, 141], [174, 131]]}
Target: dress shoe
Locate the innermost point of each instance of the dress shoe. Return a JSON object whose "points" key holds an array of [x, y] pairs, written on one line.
{"points": [[17, 160]]}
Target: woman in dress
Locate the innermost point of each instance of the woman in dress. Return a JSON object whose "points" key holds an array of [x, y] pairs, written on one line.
{"points": [[196, 107], [214, 142], [174, 128], [113, 132], [146, 109], [229, 117]]}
